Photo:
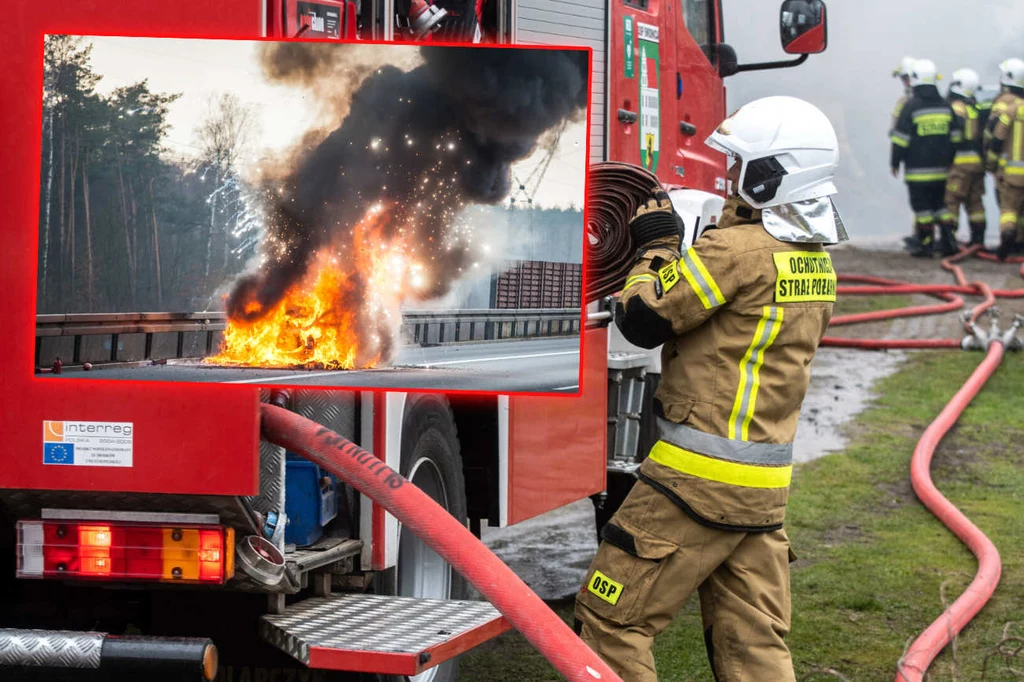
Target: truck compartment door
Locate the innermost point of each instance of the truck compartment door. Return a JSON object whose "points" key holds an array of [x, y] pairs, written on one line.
{"points": [[580, 22]]}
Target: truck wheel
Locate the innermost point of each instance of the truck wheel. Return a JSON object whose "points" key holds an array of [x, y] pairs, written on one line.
{"points": [[431, 461]]}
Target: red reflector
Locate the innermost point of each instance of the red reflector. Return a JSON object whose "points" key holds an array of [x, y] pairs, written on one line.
{"points": [[123, 551]]}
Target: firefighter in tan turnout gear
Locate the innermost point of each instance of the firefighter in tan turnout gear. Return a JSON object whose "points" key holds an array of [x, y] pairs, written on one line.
{"points": [[966, 184], [1005, 157], [740, 316]]}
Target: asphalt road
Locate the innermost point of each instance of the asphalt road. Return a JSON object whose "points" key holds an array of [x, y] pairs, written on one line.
{"points": [[533, 365]]}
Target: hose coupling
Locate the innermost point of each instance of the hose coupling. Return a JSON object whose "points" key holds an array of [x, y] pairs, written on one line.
{"points": [[1010, 340], [977, 340], [994, 332]]}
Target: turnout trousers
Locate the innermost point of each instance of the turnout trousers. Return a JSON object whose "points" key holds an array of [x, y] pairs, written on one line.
{"points": [[1011, 210], [652, 558], [966, 188], [928, 202]]}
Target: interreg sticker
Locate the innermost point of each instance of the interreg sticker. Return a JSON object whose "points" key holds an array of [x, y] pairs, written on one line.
{"points": [[628, 45], [650, 98], [804, 276], [88, 444]]}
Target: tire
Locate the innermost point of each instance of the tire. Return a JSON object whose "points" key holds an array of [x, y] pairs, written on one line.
{"points": [[431, 461]]}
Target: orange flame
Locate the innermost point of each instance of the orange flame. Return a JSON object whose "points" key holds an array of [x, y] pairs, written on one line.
{"points": [[340, 317]]}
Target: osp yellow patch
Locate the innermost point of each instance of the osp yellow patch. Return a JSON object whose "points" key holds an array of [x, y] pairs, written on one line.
{"points": [[603, 587]]}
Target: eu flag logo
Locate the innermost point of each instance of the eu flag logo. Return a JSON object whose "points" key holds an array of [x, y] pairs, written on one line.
{"points": [[58, 453]]}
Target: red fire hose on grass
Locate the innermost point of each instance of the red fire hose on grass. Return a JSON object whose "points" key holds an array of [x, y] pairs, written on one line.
{"points": [[445, 535], [915, 662]]}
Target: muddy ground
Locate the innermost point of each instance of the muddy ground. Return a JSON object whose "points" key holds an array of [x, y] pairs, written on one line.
{"points": [[551, 553]]}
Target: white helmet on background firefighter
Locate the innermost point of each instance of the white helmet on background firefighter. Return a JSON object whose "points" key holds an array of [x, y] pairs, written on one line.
{"points": [[906, 66], [1012, 73], [965, 82], [924, 72]]}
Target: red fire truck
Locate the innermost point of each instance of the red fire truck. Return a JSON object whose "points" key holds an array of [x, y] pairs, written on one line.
{"points": [[196, 532]]}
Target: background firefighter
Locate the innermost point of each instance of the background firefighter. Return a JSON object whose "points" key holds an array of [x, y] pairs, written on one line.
{"points": [[903, 73], [966, 184], [740, 316], [1003, 156], [922, 142], [1008, 147]]}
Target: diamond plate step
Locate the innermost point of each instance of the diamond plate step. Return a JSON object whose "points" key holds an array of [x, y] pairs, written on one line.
{"points": [[379, 634]]}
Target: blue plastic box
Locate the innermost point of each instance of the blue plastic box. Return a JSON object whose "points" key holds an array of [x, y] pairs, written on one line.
{"points": [[308, 503]]}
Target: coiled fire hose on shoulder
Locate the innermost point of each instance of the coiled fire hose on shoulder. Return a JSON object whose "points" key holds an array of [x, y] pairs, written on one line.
{"points": [[614, 192], [444, 534]]}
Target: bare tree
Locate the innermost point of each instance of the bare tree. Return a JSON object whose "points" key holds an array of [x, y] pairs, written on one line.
{"points": [[223, 136]]}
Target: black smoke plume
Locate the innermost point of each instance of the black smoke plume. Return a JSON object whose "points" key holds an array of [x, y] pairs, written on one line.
{"points": [[420, 143]]}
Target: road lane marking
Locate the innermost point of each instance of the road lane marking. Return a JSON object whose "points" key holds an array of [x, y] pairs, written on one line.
{"points": [[306, 375], [505, 357], [337, 372]]}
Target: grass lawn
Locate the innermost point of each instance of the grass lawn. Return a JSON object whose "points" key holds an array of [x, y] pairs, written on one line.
{"points": [[873, 561], [851, 305]]}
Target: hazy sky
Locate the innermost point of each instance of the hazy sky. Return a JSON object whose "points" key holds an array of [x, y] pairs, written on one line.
{"points": [[852, 82], [199, 69]]}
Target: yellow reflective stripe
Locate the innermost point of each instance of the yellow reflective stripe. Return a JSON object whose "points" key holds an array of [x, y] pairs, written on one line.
{"points": [[1005, 119], [899, 141], [1008, 218], [1012, 170], [692, 255], [964, 158], [975, 217], [757, 372], [695, 286], [638, 279], [921, 220], [750, 372], [925, 177], [1018, 140], [711, 469], [700, 280]]}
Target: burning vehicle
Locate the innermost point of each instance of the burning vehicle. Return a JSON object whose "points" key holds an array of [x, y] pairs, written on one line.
{"points": [[366, 216]]}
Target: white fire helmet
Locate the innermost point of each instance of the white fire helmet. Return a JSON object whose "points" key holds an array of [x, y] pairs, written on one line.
{"points": [[965, 82], [906, 66], [924, 73], [788, 149], [1012, 73]]}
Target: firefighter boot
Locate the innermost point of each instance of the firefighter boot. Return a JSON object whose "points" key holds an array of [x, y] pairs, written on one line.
{"points": [[978, 234], [925, 246], [1007, 240], [947, 242]]}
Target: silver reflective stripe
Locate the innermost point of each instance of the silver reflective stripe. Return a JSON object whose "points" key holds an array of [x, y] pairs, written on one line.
{"points": [[1014, 164], [744, 452], [925, 214], [929, 171], [902, 136], [931, 112], [715, 300]]}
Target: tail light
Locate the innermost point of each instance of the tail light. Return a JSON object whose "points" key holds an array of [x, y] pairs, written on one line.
{"points": [[125, 551]]}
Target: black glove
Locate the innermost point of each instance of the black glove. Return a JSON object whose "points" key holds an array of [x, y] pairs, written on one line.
{"points": [[655, 219]]}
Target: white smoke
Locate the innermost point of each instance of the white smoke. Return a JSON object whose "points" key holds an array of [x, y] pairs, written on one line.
{"points": [[852, 82]]}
